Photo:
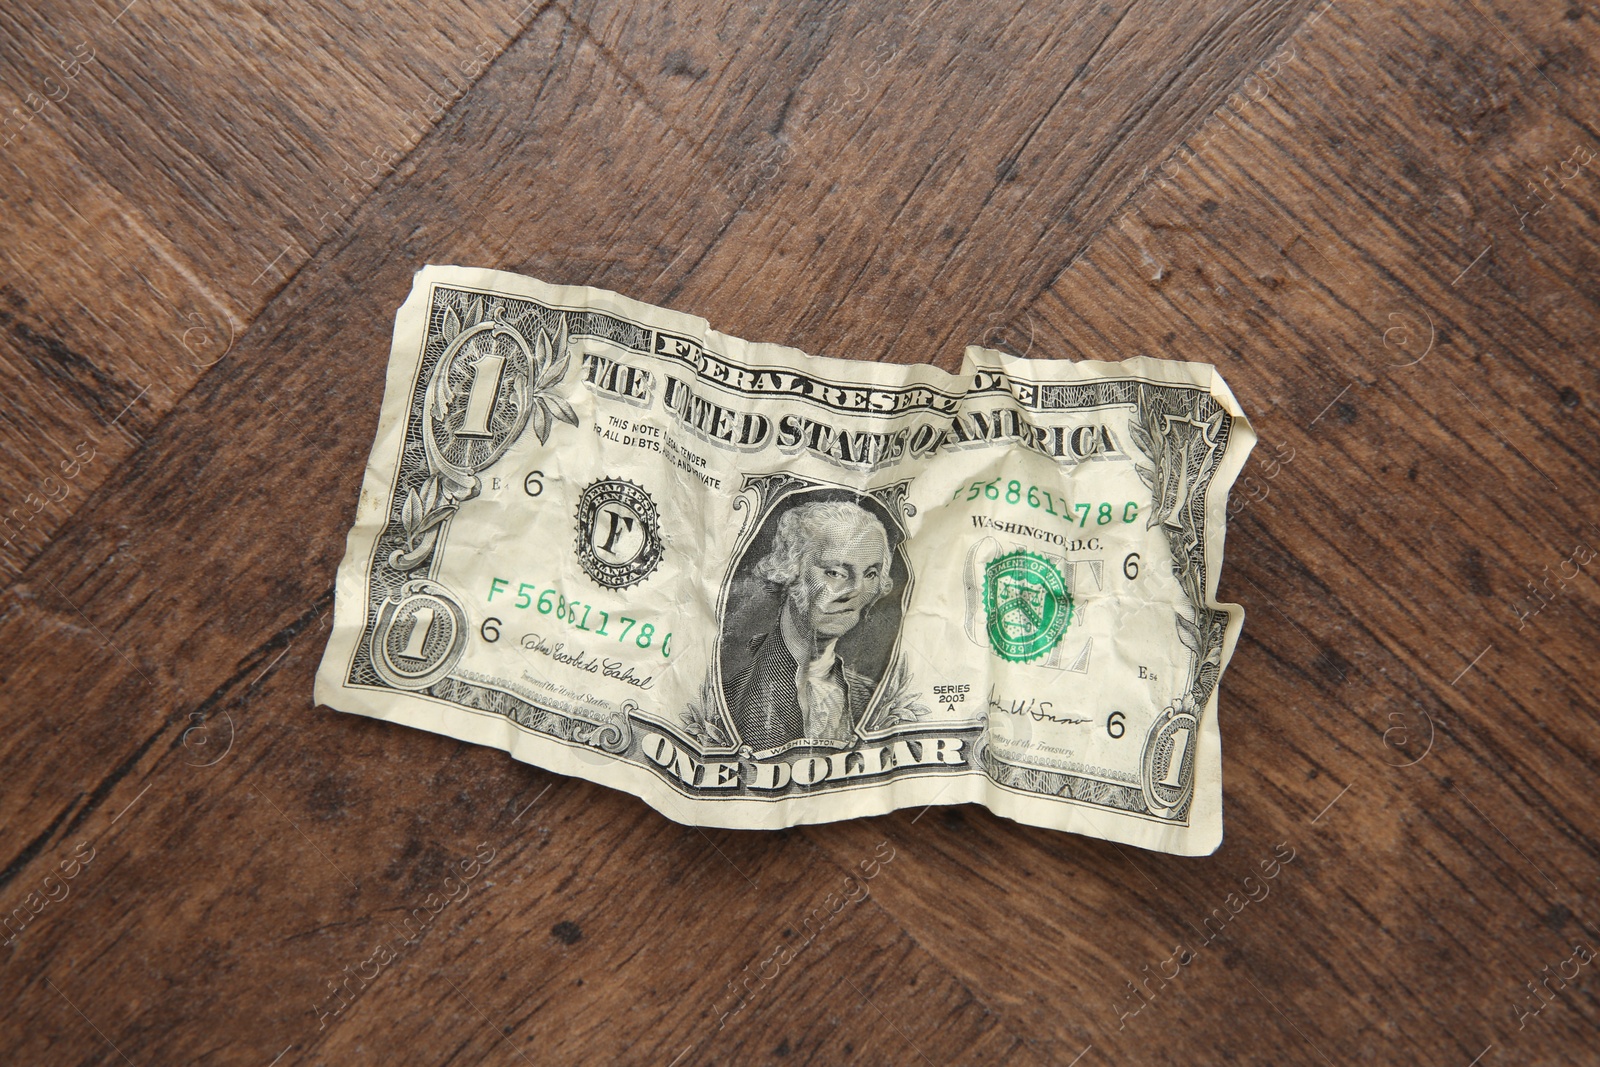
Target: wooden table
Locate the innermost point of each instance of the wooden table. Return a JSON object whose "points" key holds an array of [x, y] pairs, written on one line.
{"points": [[1379, 221]]}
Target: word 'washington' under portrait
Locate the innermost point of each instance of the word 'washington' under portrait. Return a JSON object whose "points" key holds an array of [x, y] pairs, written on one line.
{"points": [[828, 563]]}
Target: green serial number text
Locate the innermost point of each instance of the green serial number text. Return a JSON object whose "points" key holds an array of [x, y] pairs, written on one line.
{"points": [[1014, 494], [579, 614]]}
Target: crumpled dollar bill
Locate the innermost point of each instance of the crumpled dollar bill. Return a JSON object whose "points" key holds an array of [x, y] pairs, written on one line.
{"points": [[757, 588]]}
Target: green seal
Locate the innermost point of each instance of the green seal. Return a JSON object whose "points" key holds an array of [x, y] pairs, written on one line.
{"points": [[1027, 604]]}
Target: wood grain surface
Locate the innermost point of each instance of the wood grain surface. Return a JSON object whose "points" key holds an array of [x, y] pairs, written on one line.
{"points": [[1380, 222]]}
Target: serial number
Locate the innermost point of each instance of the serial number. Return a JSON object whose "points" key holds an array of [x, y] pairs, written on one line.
{"points": [[1014, 494], [576, 613]]}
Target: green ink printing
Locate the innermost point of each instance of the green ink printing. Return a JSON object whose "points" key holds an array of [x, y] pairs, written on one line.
{"points": [[1027, 605]]}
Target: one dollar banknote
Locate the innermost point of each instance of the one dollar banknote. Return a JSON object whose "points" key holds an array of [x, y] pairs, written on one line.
{"points": [[757, 588]]}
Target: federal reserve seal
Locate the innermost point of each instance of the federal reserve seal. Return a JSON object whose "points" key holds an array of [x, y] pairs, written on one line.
{"points": [[1027, 605], [619, 535]]}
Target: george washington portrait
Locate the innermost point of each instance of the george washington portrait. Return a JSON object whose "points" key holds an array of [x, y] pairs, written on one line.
{"points": [[804, 667]]}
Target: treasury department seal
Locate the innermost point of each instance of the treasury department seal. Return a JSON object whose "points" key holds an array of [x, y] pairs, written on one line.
{"points": [[1027, 605], [619, 535]]}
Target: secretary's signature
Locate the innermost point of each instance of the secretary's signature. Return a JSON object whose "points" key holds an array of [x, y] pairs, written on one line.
{"points": [[1032, 707]]}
